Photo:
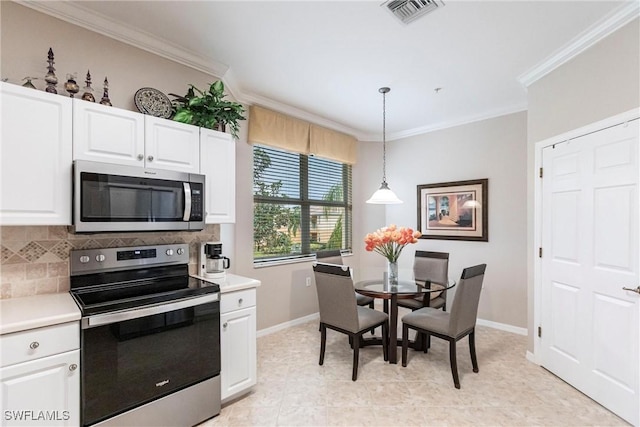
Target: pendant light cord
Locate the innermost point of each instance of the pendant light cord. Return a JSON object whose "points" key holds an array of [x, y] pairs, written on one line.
{"points": [[383, 91]]}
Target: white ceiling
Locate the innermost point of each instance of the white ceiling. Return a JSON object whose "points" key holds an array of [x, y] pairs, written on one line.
{"points": [[325, 60]]}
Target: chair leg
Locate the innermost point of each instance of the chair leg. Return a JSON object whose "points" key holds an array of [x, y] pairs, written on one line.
{"points": [[405, 343], [472, 349], [323, 341], [427, 342], [372, 306], [356, 351], [453, 361], [385, 341]]}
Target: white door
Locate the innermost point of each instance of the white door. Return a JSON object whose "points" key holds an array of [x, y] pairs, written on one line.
{"points": [[107, 134], [218, 163], [171, 145], [590, 228], [238, 351], [35, 164]]}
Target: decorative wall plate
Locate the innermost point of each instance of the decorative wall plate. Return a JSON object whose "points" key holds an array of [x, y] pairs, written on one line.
{"points": [[153, 102]]}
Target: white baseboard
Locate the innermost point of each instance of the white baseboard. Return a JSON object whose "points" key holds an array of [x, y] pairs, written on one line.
{"points": [[503, 327], [285, 325], [532, 358], [305, 319]]}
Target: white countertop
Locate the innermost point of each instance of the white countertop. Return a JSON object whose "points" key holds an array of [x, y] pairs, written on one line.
{"points": [[233, 282], [19, 314]]}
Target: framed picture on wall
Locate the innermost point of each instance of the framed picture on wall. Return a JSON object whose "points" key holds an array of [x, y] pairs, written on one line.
{"points": [[454, 210]]}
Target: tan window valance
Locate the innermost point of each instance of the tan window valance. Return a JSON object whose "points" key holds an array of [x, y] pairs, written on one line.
{"points": [[281, 131], [332, 145]]}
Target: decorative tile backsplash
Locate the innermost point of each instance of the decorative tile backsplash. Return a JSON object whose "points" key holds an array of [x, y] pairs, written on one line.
{"points": [[35, 259]]}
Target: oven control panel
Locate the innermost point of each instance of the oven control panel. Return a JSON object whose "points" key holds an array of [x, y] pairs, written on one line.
{"points": [[113, 259]]}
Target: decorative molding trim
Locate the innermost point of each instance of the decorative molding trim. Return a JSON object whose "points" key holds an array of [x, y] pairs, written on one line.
{"points": [[286, 325], [76, 14], [600, 30], [503, 327], [449, 124]]}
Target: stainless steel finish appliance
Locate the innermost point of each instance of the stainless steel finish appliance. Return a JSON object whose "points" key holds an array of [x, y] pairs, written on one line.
{"points": [[150, 337], [213, 264], [109, 197]]}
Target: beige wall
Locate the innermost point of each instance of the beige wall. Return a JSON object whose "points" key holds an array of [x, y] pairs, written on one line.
{"points": [[493, 149], [599, 83]]}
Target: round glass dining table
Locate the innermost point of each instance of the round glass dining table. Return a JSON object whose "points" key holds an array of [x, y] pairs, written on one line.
{"points": [[392, 292]]}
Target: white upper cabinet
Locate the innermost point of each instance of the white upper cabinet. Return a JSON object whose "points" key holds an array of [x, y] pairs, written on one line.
{"points": [[35, 165], [171, 145], [113, 135], [107, 134], [218, 163]]}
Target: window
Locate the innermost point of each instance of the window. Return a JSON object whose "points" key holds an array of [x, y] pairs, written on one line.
{"points": [[301, 204]]}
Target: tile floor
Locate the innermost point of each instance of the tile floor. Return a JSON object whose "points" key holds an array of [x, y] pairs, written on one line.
{"points": [[293, 390]]}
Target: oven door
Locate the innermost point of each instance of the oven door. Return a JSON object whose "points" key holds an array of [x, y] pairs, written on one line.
{"points": [[133, 357]]}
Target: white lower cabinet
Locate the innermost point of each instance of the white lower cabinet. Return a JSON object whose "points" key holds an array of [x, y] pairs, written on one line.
{"points": [[238, 342], [38, 387]]}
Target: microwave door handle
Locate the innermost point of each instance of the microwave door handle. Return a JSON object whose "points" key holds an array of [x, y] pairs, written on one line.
{"points": [[187, 201]]}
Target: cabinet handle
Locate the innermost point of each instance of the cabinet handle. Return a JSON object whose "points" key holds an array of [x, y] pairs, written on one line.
{"points": [[73, 367], [224, 325], [34, 345], [140, 157], [150, 158], [240, 301]]}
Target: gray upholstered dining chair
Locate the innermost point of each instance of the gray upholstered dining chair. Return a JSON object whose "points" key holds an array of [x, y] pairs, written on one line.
{"points": [[432, 269], [453, 326], [334, 256], [339, 311]]}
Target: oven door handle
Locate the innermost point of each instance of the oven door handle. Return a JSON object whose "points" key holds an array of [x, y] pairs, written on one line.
{"points": [[119, 316]]}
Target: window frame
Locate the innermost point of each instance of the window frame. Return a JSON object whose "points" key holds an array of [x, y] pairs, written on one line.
{"points": [[305, 203]]}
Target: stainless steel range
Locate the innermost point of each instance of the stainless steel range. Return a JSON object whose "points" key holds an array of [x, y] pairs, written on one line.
{"points": [[150, 343]]}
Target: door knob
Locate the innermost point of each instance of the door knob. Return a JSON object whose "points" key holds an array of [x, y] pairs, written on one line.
{"points": [[140, 157], [150, 158], [636, 290]]}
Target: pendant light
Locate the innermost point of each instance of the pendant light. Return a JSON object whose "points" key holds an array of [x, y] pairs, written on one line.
{"points": [[384, 195]]}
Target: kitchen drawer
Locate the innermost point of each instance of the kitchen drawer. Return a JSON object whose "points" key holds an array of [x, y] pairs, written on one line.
{"points": [[35, 343], [236, 300]]}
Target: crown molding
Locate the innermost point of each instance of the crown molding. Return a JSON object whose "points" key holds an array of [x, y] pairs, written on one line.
{"points": [[449, 124], [600, 30], [76, 14]]}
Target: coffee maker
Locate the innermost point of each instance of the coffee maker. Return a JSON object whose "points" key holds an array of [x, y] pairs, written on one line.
{"points": [[212, 263]]}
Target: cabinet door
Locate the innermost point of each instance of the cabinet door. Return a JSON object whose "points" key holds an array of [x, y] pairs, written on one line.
{"points": [[171, 145], [107, 134], [42, 392], [218, 163], [36, 157], [238, 351]]}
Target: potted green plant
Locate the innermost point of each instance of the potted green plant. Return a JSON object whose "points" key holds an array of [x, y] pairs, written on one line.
{"points": [[208, 109]]}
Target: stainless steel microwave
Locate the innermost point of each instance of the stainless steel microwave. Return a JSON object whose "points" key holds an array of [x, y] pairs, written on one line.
{"points": [[109, 197]]}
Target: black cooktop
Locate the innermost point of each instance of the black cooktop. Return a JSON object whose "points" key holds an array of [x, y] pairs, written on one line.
{"points": [[107, 292]]}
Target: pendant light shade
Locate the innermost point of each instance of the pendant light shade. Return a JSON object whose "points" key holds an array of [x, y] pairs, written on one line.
{"points": [[384, 195]]}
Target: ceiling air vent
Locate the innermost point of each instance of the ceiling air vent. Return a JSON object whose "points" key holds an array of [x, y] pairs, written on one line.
{"points": [[409, 10]]}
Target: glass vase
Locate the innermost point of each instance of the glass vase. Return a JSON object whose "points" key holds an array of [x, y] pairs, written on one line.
{"points": [[392, 272]]}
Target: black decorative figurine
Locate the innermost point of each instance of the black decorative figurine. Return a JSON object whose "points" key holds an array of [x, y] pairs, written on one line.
{"points": [[88, 90], [51, 78], [105, 95]]}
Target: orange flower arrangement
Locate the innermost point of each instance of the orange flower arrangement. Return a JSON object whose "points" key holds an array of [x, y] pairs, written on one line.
{"points": [[389, 241]]}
